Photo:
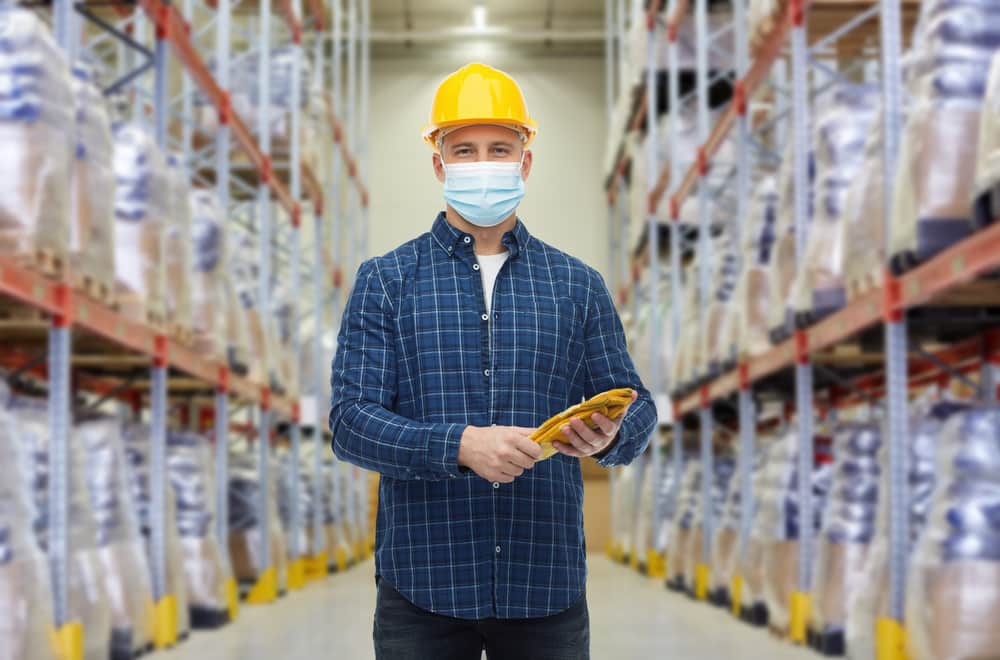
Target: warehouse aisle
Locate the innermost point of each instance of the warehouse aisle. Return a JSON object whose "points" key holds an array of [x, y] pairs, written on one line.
{"points": [[631, 617]]}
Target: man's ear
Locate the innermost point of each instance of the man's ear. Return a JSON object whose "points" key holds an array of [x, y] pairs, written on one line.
{"points": [[526, 165], [438, 167]]}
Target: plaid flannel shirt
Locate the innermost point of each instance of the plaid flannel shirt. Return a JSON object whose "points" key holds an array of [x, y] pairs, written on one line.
{"points": [[418, 360]]}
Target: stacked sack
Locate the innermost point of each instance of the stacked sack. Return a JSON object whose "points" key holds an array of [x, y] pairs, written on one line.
{"points": [[953, 592], [777, 524], [871, 602], [693, 553], [848, 532], [142, 208], [206, 570], [746, 326], [208, 278], [25, 593], [839, 142], [36, 134], [953, 46], [120, 547], [244, 523], [177, 244], [749, 564], [92, 185], [87, 596], [138, 442]]}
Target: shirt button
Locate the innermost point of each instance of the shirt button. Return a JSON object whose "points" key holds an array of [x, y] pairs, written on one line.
{"points": [[467, 240], [486, 372], [475, 266], [485, 317], [496, 484], [449, 248], [498, 549]]}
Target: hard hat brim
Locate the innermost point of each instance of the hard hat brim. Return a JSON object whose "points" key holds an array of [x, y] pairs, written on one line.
{"points": [[529, 128]]}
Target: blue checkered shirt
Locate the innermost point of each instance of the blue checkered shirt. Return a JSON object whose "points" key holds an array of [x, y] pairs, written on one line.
{"points": [[418, 360]]}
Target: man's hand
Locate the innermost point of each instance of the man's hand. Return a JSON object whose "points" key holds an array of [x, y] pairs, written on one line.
{"points": [[581, 440], [498, 453]]}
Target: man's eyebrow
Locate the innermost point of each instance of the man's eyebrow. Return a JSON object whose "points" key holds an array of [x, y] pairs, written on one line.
{"points": [[461, 145], [502, 143]]}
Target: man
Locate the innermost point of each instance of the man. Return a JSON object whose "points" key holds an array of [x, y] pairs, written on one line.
{"points": [[453, 348]]}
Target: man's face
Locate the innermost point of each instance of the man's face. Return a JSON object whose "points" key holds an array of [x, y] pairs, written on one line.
{"points": [[482, 142]]}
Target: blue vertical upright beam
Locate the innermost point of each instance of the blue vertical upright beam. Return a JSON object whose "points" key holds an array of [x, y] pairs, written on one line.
{"points": [[351, 126], [896, 348], [800, 605], [222, 466], [319, 363]]}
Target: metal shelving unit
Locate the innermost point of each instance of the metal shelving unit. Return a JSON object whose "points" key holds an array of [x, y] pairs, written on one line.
{"points": [[83, 332], [802, 370]]}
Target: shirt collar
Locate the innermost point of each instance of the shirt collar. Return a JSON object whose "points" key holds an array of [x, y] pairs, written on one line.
{"points": [[452, 240]]}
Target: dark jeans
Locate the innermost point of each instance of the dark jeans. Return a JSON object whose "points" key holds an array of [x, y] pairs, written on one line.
{"points": [[403, 631]]}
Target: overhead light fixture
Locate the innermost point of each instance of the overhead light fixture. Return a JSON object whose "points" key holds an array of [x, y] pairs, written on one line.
{"points": [[479, 17]]}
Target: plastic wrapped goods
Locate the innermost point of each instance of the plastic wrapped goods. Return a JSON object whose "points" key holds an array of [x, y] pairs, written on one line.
{"points": [[680, 536], [138, 441], [777, 524], [121, 550], [36, 137], [725, 543], [746, 326], [87, 596], [283, 472], [720, 349], [862, 254], [642, 540], [623, 509], [208, 275], [244, 523], [667, 503], [694, 553], [935, 180], [206, 571], [243, 271], [871, 601], [92, 185], [141, 210], [177, 244], [336, 540], [848, 529], [238, 346], [750, 565], [839, 141], [988, 153], [953, 592], [25, 594]]}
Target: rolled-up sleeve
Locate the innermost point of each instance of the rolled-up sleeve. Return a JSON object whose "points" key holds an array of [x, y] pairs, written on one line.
{"points": [[366, 431], [609, 366]]}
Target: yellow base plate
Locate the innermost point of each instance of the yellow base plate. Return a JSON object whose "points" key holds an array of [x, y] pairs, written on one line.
{"points": [[890, 640], [296, 574], [736, 594], [232, 599], [655, 564], [798, 616], [316, 566], [266, 589], [165, 630], [67, 641], [342, 556], [701, 576]]}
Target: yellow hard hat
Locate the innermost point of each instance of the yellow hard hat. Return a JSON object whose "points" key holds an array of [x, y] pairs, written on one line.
{"points": [[479, 94]]}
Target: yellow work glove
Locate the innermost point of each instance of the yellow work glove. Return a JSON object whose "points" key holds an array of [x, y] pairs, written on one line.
{"points": [[611, 404]]}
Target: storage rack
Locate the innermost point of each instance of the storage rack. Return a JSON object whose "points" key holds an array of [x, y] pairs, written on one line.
{"points": [[85, 341], [898, 313]]}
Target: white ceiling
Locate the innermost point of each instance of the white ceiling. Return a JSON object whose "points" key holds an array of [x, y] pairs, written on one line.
{"points": [[558, 15]]}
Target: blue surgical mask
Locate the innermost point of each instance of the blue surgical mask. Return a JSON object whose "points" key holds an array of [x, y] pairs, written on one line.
{"points": [[484, 193]]}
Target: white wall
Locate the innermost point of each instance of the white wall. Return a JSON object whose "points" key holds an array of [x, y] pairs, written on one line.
{"points": [[564, 204]]}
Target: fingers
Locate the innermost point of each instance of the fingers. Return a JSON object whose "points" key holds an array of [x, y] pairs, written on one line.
{"points": [[531, 449], [574, 438], [594, 438], [607, 426], [567, 450]]}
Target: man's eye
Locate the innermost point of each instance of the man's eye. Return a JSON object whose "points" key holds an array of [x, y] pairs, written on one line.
{"points": [[501, 151]]}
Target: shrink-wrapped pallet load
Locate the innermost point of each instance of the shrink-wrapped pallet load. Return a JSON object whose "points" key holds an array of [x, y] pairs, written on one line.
{"points": [[953, 590], [777, 524], [725, 545], [25, 592], [244, 273], [862, 253], [839, 140], [934, 187], [36, 138], [177, 245], [86, 588], [92, 187], [121, 548], [746, 325], [681, 525], [245, 525], [987, 185], [750, 564], [208, 276], [206, 569], [338, 550], [142, 209], [694, 552], [719, 348], [284, 474], [871, 602], [687, 357], [846, 539], [668, 496], [138, 445]]}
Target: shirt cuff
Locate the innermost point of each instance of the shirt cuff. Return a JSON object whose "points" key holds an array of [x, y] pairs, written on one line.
{"points": [[442, 448]]}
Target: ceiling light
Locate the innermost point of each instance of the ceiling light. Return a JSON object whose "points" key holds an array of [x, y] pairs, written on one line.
{"points": [[479, 17]]}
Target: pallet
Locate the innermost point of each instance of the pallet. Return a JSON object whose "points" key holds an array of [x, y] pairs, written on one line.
{"points": [[862, 283], [23, 313], [95, 289]]}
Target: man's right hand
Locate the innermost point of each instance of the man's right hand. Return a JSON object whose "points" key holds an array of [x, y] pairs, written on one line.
{"points": [[498, 453]]}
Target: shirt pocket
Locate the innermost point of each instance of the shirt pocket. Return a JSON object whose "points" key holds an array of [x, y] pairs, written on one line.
{"points": [[547, 340]]}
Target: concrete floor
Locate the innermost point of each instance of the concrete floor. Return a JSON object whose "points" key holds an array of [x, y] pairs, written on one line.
{"points": [[631, 617]]}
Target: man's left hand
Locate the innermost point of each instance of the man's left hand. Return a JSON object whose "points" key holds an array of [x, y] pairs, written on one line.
{"points": [[581, 440]]}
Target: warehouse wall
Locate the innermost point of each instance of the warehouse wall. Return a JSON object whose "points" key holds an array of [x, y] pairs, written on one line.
{"points": [[564, 204]]}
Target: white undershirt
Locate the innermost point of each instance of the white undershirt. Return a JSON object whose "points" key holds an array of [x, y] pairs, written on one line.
{"points": [[489, 268]]}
